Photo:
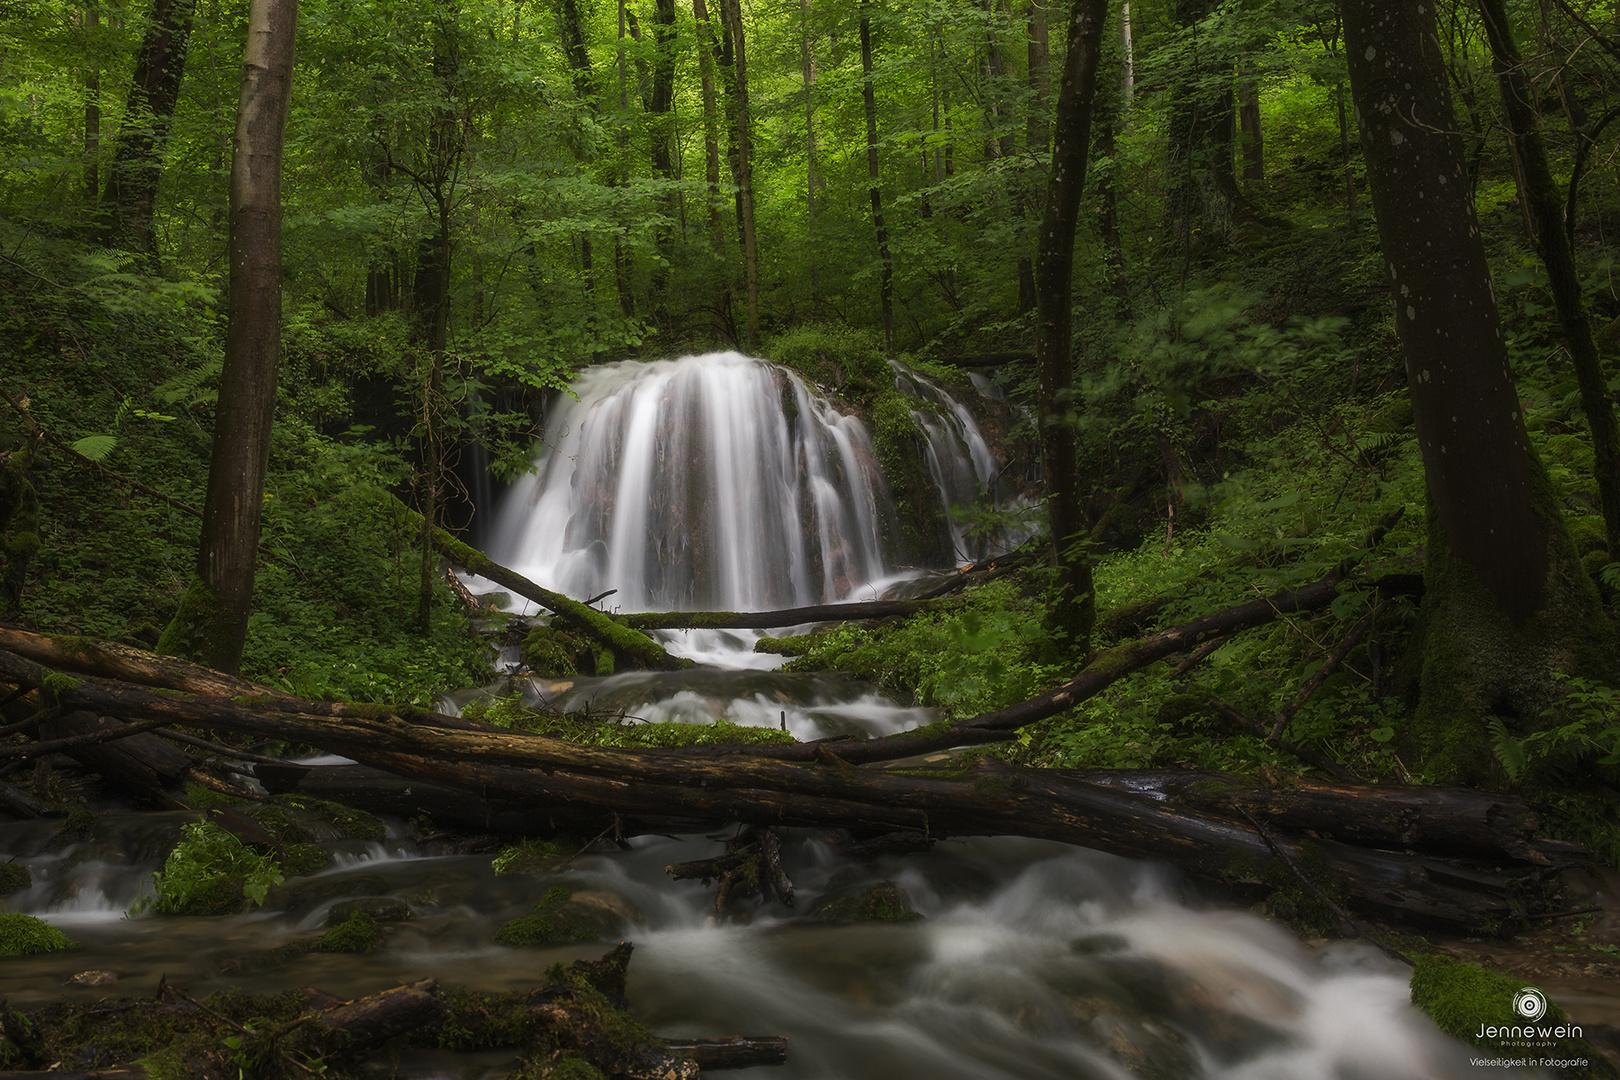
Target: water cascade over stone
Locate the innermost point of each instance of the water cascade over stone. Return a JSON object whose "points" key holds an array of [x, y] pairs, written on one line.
{"points": [[720, 482]]}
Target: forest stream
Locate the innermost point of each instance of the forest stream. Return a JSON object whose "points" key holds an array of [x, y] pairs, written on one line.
{"points": [[1012, 959]]}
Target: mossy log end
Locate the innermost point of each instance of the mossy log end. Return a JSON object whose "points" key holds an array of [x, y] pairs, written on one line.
{"points": [[627, 644]]}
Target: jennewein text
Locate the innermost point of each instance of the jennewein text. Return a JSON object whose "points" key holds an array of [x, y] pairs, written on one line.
{"points": [[1559, 1032]]}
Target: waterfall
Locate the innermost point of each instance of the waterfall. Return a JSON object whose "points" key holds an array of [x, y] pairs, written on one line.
{"points": [[720, 482]]}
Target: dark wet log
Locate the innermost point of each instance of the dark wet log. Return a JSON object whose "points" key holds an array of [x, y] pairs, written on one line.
{"points": [[19, 802], [368, 1022], [737, 1052], [988, 799], [142, 763]]}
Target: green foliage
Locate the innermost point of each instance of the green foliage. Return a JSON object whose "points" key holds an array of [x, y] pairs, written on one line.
{"points": [[211, 872], [24, 935]]}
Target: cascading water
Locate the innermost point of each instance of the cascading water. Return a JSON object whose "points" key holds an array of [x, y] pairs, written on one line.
{"points": [[726, 482], [719, 482]]}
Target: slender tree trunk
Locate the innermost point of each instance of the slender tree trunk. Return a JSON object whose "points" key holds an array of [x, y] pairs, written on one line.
{"points": [[869, 98], [212, 621], [579, 69], [1127, 67], [708, 48], [130, 200], [1545, 203], [731, 16], [1038, 130], [1254, 142], [1073, 609], [808, 67], [92, 114], [1507, 602]]}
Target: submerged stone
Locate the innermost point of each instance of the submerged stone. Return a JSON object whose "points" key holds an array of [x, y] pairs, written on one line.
{"points": [[357, 934]]}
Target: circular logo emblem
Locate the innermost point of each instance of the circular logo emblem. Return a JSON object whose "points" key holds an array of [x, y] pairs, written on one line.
{"points": [[1530, 1004]]}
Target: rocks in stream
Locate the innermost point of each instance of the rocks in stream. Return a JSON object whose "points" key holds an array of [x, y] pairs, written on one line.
{"points": [[24, 935], [558, 918], [880, 902]]}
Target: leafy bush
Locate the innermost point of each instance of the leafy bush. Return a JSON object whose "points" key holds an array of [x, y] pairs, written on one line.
{"points": [[211, 872], [24, 935]]}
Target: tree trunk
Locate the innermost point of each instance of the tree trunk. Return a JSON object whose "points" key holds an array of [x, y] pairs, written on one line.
{"points": [[92, 115], [1544, 201], [708, 50], [807, 64], [211, 623], [869, 99], [1073, 608], [1507, 603], [731, 17], [131, 196], [1203, 196], [1254, 140]]}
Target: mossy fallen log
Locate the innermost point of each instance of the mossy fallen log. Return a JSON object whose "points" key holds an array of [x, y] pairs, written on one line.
{"points": [[628, 645]]}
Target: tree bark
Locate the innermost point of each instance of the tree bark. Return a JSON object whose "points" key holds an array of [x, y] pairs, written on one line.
{"points": [[1542, 198], [212, 621], [130, 200], [708, 49], [1507, 602], [1073, 609], [869, 100], [731, 17]]}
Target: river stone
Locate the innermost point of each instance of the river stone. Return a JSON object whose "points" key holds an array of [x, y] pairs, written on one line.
{"points": [[14, 877], [879, 902], [94, 978], [383, 909]]}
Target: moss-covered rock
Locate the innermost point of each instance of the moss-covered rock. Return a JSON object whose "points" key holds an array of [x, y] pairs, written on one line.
{"points": [[555, 920], [358, 933], [78, 827], [301, 860], [383, 909], [24, 935], [1479, 1006], [350, 823], [882, 902], [14, 877], [532, 857], [553, 653]]}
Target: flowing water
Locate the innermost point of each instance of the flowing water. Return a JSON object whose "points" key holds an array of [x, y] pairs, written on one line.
{"points": [[723, 482]]}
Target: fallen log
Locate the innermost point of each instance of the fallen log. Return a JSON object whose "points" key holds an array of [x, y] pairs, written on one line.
{"points": [[737, 1052], [627, 644], [987, 799], [139, 762]]}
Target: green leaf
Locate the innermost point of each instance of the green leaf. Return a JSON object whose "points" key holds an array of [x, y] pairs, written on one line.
{"points": [[95, 447], [1382, 735]]}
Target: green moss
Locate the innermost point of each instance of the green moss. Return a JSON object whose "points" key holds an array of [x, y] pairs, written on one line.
{"points": [[552, 921], [301, 860], [357, 934], [14, 877], [1463, 999], [882, 902], [531, 857], [551, 653], [202, 629], [24, 935], [79, 826], [483, 1021], [351, 823], [58, 683], [199, 797]]}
